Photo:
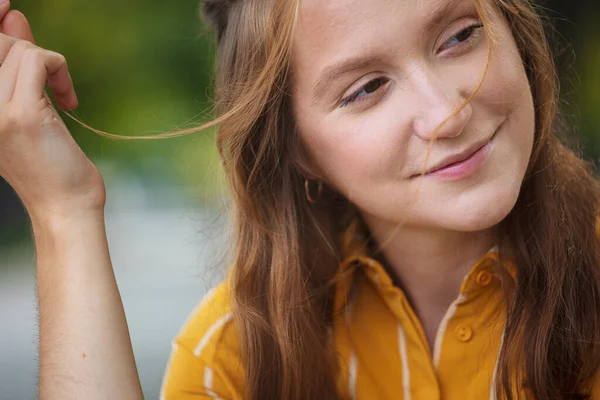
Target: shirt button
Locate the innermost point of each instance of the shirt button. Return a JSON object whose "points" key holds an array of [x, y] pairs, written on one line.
{"points": [[484, 277], [463, 333]]}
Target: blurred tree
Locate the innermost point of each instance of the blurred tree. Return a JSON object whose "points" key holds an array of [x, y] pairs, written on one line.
{"points": [[139, 67], [578, 57]]}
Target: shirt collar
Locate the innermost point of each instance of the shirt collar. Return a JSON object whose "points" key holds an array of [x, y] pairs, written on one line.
{"points": [[356, 253]]}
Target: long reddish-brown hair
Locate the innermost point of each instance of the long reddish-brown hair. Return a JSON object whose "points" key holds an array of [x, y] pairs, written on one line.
{"points": [[286, 252]]}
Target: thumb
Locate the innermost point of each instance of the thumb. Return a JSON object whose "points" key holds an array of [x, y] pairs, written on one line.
{"points": [[15, 24]]}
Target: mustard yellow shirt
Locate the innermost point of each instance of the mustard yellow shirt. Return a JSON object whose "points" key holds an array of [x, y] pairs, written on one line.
{"points": [[383, 350]]}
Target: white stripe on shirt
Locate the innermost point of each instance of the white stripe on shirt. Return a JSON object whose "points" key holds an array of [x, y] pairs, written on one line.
{"points": [[404, 360], [210, 332], [439, 337]]}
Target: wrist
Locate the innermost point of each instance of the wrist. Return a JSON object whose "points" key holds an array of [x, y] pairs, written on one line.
{"points": [[66, 207], [58, 219]]}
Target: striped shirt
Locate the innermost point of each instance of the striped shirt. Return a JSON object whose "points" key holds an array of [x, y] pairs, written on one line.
{"points": [[383, 351]]}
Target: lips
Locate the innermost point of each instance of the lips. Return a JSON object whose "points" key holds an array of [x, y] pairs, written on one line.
{"points": [[457, 157]]}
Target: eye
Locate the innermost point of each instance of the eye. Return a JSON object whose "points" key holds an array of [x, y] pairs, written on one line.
{"points": [[364, 92], [463, 36]]}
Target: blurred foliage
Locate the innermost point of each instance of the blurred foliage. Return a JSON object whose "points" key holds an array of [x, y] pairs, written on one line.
{"points": [[575, 36], [146, 66], [588, 100], [139, 67]]}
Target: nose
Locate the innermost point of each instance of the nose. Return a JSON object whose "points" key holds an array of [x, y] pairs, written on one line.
{"points": [[438, 111]]}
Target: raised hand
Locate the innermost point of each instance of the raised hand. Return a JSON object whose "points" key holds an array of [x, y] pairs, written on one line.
{"points": [[85, 351], [38, 156]]}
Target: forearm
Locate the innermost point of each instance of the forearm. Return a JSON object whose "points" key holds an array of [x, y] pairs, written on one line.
{"points": [[85, 349]]}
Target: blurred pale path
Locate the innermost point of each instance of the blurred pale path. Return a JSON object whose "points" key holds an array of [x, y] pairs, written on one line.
{"points": [[166, 255]]}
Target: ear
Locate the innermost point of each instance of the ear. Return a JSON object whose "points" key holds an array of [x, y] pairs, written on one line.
{"points": [[301, 158], [305, 166]]}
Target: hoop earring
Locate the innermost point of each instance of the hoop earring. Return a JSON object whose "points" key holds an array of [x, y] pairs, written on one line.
{"points": [[309, 197]]}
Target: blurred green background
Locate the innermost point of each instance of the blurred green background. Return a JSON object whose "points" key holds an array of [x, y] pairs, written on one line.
{"points": [[139, 67], [146, 66]]}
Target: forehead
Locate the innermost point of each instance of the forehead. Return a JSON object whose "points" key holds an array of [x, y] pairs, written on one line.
{"points": [[323, 17], [322, 24], [332, 30]]}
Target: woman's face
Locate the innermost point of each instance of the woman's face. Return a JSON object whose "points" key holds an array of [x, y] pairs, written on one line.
{"points": [[371, 82]]}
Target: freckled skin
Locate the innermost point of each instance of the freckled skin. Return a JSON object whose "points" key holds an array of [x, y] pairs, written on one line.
{"points": [[370, 150]]}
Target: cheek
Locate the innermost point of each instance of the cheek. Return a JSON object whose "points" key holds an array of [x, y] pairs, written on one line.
{"points": [[351, 153], [513, 89], [509, 97], [506, 88]]}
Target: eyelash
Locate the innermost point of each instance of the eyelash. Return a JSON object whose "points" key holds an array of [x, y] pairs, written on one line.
{"points": [[355, 96], [472, 31]]}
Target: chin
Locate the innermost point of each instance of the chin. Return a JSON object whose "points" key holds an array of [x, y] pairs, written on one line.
{"points": [[476, 211], [478, 219]]}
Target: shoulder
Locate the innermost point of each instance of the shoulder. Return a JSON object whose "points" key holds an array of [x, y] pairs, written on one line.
{"points": [[209, 323], [205, 357]]}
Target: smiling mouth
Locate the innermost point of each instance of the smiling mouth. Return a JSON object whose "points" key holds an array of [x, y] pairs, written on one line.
{"points": [[455, 160]]}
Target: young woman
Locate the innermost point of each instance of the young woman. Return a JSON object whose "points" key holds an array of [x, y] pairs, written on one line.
{"points": [[408, 224]]}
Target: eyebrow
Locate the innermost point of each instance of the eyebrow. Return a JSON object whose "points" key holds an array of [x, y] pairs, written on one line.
{"points": [[338, 69], [444, 11]]}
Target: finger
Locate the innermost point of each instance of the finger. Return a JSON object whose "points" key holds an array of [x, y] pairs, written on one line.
{"points": [[4, 7], [15, 24], [39, 66], [6, 43], [64, 90], [9, 70]]}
